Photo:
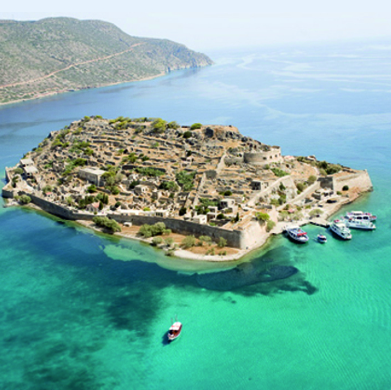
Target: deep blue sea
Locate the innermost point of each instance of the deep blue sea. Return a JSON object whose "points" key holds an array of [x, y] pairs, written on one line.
{"points": [[79, 310]]}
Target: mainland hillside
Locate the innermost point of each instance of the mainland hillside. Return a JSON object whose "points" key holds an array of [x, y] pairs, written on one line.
{"points": [[56, 55]]}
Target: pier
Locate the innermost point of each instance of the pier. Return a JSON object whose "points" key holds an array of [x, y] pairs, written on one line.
{"points": [[320, 222]]}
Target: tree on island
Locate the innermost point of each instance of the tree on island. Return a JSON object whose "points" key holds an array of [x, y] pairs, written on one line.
{"points": [[107, 223], [195, 126]]}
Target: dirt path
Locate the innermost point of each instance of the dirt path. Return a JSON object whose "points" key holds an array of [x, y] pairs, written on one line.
{"points": [[71, 66]]}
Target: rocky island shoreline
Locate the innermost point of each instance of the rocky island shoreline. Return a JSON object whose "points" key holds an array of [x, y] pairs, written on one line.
{"points": [[199, 192]]}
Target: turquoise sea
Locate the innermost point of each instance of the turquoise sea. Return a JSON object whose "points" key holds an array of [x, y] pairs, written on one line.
{"points": [[80, 310]]}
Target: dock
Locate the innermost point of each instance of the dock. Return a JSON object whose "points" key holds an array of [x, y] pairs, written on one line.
{"points": [[320, 222]]}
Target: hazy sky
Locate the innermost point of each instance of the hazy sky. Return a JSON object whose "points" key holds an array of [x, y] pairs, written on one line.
{"points": [[210, 24]]}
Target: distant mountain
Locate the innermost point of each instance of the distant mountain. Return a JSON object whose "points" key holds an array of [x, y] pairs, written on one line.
{"points": [[56, 55]]}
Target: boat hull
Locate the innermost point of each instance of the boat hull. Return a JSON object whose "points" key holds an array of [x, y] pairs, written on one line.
{"points": [[297, 240], [340, 235], [174, 332], [322, 239]]}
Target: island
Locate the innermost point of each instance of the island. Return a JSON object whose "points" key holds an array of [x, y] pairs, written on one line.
{"points": [[199, 191], [56, 55]]}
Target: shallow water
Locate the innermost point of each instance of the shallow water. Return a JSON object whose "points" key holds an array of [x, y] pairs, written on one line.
{"points": [[85, 311]]}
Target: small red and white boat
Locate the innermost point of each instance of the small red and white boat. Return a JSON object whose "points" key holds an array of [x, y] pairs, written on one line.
{"points": [[174, 331]]}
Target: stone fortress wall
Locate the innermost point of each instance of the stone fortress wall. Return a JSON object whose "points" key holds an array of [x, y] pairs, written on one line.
{"points": [[235, 238], [360, 179]]}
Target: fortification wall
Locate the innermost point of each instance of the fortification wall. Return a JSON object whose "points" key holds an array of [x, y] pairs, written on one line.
{"points": [[286, 180], [307, 192], [327, 182], [7, 191], [235, 238], [253, 235], [8, 175], [360, 180], [273, 155], [58, 210]]}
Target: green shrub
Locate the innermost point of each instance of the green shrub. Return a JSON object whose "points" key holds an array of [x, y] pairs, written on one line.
{"points": [[188, 242], [206, 239], [329, 169], [222, 242], [211, 252], [185, 180], [279, 172], [270, 225], [300, 187], [187, 134], [345, 188], [195, 126], [18, 171], [182, 211], [24, 199], [169, 185], [115, 190], [104, 198], [159, 125], [204, 204], [173, 125], [152, 172], [169, 241], [91, 188], [134, 183], [107, 223], [152, 230], [157, 241], [46, 189], [322, 172], [145, 231], [262, 217], [311, 179]]}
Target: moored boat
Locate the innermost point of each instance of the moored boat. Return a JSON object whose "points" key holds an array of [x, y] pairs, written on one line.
{"points": [[297, 234], [174, 331], [354, 223], [361, 216], [322, 238], [340, 229]]}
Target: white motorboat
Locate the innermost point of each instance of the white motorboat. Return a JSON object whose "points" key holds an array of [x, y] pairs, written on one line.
{"points": [[297, 234], [354, 223], [361, 216], [322, 238], [340, 229]]}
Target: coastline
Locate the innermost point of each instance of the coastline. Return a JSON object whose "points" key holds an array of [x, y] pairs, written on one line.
{"points": [[48, 94], [187, 255]]}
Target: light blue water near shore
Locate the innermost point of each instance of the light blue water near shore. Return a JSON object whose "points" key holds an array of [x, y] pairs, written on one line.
{"points": [[85, 311]]}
